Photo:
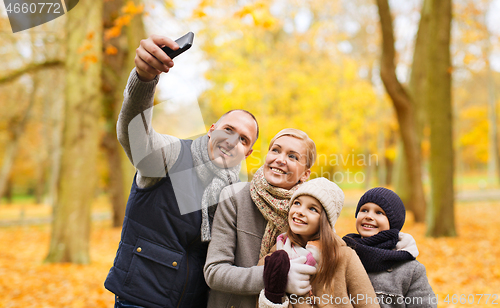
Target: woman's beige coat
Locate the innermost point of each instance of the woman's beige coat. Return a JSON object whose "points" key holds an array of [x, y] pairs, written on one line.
{"points": [[231, 269]]}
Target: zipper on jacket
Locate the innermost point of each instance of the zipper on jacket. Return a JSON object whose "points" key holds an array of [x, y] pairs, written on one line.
{"points": [[187, 270]]}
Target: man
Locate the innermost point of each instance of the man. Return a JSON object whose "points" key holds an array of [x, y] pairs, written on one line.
{"points": [[160, 258]]}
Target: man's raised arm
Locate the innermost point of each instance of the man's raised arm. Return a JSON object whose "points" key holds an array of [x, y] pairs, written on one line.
{"points": [[150, 152]]}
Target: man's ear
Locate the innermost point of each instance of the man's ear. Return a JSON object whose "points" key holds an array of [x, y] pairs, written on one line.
{"points": [[212, 128], [248, 153]]}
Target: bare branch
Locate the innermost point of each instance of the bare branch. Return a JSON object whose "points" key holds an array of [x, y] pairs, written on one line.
{"points": [[31, 68]]}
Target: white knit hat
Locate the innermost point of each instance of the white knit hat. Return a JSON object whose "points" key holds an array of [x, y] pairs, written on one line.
{"points": [[328, 194]]}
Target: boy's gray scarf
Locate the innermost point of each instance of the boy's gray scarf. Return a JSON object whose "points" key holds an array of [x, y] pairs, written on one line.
{"points": [[214, 179]]}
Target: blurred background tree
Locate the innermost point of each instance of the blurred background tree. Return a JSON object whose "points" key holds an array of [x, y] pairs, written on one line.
{"points": [[441, 216], [123, 29], [407, 109], [82, 96]]}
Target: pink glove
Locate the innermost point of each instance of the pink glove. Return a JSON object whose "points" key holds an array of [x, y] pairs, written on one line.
{"points": [[314, 254]]}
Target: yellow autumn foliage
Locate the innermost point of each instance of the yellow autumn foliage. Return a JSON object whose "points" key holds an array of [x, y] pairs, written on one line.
{"points": [[475, 139], [131, 9], [112, 32], [111, 50], [128, 12], [294, 80]]}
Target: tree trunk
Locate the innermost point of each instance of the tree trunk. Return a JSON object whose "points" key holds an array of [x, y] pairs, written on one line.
{"points": [[441, 216], [405, 114], [135, 33], [40, 183], [418, 77], [8, 190], [112, 80], [388, 175], [369, 170], [381, 168], [401, 177], [492, 119], [17, 131], [388, 161], [115, 72], [493, 129], [56, 110], [116, 193], [71, 224]]}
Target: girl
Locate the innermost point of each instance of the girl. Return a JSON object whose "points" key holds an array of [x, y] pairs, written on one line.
{"points": [[341, 280], [249, 218], [398, 279]]}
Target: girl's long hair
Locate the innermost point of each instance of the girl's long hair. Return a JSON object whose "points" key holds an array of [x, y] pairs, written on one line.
{"points": [[329, 248]]}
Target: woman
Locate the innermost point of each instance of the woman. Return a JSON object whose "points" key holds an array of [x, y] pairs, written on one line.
{"points": [[249, 218]]}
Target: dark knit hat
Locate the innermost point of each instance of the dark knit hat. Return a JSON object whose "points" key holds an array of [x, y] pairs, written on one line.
{"points": [[389, 201]]}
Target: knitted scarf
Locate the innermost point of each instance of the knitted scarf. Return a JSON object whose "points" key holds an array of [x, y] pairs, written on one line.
{"points": [[376, 252], [214, 179], [273, 203]]}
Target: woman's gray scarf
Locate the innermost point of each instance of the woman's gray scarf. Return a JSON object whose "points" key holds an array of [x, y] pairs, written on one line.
{"points": [[214, 179]]}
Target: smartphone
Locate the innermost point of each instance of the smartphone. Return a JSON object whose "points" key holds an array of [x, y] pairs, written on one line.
{"points": [[185, 42]]}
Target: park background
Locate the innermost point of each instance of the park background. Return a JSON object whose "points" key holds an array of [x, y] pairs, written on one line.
{"points": [[413, 108]]}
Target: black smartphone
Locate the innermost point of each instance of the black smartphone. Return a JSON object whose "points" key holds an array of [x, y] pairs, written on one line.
{"points": [[185, 42]]}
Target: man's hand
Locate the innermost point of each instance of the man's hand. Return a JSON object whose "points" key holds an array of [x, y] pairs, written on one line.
{"points": [[150, 60], [298, 276]]}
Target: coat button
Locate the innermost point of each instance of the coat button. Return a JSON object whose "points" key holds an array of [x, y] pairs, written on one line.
{"points": [[139, 249], [174, 263]]}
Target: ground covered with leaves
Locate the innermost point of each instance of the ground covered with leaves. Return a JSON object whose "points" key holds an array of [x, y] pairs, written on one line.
{"points": [[466, 265]]}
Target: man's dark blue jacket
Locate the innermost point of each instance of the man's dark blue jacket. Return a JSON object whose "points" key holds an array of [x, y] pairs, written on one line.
{"points": [[159, 262]]}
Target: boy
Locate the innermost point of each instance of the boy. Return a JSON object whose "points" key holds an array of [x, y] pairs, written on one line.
{"points": [[387, 255]]}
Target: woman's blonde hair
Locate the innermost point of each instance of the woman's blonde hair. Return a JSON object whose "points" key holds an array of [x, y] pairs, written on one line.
{"points": [[297, 133]]}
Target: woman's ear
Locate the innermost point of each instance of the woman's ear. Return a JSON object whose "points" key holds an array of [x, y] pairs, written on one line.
{"points": [[305, 176]]}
